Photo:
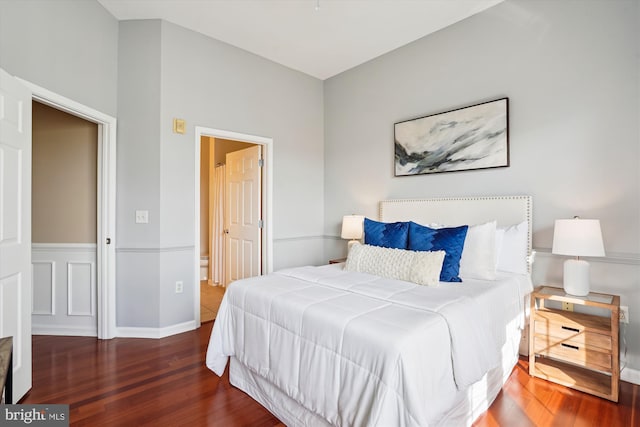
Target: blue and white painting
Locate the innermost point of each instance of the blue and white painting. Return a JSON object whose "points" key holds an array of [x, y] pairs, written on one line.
{"points": [[474, 137]]}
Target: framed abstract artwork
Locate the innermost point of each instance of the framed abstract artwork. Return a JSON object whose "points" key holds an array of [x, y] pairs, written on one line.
{"points": [[474, 137]]}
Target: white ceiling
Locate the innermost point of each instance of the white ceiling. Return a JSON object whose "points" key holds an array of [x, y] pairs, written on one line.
{"points": [[323, 41]]}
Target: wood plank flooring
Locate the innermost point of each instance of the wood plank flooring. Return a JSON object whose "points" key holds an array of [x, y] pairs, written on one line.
{"points": [[210, 299], [138, 382]]}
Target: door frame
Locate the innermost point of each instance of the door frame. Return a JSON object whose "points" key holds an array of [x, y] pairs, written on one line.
{"points": [[106, 196], [267, 201]]}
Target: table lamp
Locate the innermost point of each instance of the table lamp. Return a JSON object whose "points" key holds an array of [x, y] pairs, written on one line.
{"points": [[352, 228], [577, 237]]}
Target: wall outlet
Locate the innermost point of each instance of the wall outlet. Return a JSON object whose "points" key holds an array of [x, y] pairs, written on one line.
{"points": [[567, 306], [142, 217], [179, 287], [624, 314]]}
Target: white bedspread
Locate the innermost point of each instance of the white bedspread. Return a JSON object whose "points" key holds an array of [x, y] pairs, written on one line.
{"points": [[358, 349]]}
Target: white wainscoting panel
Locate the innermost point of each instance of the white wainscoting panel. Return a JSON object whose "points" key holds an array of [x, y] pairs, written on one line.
{"points": [[80, 289], [44, 287], [64, 289]]}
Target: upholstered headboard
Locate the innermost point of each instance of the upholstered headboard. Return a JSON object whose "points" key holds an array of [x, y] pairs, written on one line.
{"points": [[506, 210]]}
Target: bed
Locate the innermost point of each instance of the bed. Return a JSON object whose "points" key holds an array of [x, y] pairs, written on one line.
{"points": [[337, 346]]}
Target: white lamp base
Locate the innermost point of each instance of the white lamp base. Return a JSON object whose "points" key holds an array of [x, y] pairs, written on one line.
{"points": [[351, 243], [576, 277]]}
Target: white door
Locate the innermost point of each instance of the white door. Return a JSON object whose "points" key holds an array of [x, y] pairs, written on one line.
{"points": [[15, 226], [244, 213]]}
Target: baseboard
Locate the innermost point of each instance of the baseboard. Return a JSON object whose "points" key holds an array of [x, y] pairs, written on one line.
{"points": [[70, 331], [630, 375], [155, 333]]}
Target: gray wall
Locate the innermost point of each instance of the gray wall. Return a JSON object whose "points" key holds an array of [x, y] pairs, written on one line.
{"points": [[138, 250], [570, 70], [166, 72], [69, 47], [234, 90]]}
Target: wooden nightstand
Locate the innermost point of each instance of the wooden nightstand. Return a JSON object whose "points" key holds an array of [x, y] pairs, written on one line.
{"points": [[578, 349], [337, 260]]}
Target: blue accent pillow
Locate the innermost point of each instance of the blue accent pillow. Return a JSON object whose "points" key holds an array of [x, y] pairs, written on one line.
{"points": [[450, 240], [386, 234]]}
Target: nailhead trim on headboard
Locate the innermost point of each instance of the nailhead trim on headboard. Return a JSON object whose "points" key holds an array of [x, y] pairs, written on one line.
{"points": [[521, 209]]}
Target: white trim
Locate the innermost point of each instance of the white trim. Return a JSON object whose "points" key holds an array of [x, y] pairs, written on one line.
{"points": [[630, 375], [72, 331], [156, 333], [106, 212], [302, 238], [610, 258], [63, 247], [52, 284], [92, 295], [60, 102], [267, 197], [156, 250]]}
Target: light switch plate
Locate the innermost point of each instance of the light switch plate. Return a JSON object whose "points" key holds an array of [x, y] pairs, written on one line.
{"points": [[142, 217]]}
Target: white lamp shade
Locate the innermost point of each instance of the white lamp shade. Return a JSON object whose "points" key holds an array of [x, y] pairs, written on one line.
{"points": [[352, 227], [577, 237]]}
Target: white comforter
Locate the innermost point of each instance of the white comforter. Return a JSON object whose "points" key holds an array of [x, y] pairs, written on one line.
{"points": [[358, 349]]}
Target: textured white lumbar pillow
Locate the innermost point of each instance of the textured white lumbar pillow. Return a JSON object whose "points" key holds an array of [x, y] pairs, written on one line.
{"points": [[420, 267]]}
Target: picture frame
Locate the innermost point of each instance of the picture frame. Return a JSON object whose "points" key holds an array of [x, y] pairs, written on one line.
{"points": [[463, 139]]}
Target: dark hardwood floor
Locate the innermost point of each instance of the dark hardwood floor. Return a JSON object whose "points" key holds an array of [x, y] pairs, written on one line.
{"points": [[135, 382]]}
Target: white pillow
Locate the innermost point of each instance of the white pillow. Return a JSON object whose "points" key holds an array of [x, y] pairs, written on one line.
{"points": [[420, 267], [513, 252], [479, 254]]}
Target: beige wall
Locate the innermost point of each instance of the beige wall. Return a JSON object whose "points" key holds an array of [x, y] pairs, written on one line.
{"points": [[224, 146], [65, 150]]}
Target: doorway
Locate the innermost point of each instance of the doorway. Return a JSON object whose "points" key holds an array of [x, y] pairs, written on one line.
{"points": [[215, 156], [16, 96], [105, 260], [63, 223], [212, 148]]}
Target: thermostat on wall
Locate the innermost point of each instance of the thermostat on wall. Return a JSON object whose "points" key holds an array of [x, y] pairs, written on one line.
{"points": [[178, 126]]}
